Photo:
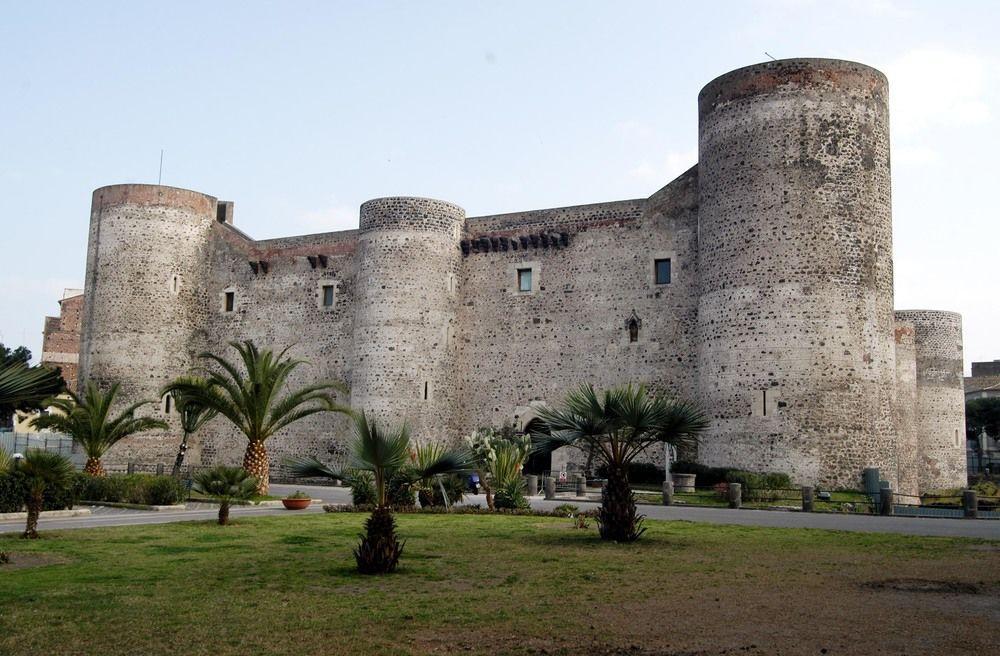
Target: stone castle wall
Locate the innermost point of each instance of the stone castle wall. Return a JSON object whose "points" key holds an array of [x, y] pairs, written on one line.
{"points": [[777, 317]]}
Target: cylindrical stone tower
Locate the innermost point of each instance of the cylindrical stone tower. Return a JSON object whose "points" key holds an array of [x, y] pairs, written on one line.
{"points": [[940, 409], [406, 298], [796, 358], [145, 300], [907, 447]]}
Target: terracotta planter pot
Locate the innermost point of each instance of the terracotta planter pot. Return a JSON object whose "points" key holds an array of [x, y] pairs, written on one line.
{"points": [[296, 504]]}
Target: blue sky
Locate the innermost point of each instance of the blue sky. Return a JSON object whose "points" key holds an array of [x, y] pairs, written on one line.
{"points": [[300, 111]]}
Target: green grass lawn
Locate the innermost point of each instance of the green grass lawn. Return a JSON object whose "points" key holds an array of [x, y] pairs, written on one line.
{"points": [[493, 584]]}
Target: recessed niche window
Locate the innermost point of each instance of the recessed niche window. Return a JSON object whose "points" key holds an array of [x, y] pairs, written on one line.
{"points": [[661, 269], [230, 301], [524, 280], [327, 295]]}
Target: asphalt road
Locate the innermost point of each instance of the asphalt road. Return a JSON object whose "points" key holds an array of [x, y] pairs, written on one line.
{"points": [[986, 529]]}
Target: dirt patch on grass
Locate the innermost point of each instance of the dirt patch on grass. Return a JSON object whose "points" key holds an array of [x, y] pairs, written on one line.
{"points": [[924, 585], [29, 560]]}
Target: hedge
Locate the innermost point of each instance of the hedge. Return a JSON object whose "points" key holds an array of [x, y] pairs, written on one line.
{"points": [[13, 492], [144, 489]]}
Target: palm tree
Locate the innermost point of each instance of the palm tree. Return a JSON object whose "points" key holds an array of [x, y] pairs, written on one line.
{"points": [[618, 425], [386, 454], [193, 414], [41, 470], [87, 420], [25, 388], [225, 485], [249, 399]]}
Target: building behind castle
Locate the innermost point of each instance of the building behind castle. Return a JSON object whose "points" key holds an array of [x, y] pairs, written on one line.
{"points": [[758, 283]]}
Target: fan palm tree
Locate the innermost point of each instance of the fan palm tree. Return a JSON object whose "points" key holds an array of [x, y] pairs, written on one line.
{"points": [[41, 470], [87, 419], [25, 388], [193, 414], [225, 485], [618, 425], [386, 453], [249, 398]]}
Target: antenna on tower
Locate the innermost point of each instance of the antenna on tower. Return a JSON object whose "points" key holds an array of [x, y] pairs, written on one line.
{"points": [[769, 55], [159, 179]]}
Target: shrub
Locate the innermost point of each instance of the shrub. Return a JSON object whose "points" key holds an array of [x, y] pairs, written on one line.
{"points": [[705, 476], [165, 491], [362, 488], [299, 494], [642, 473], [454, 486], [143, 489], [565, 510], [510, 495], [759, 487], [401, 492], [11, 493]]}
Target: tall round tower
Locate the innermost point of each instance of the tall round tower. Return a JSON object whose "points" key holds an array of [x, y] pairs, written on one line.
{"points": [[907, 446], [145, 299], [796, 361], [940, 398], [408, 259]]}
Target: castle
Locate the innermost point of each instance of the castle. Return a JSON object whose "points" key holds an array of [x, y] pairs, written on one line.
{"points": [[758, 283]]}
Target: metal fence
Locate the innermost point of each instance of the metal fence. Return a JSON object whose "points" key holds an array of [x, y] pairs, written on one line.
{"points": [[12, 443]]}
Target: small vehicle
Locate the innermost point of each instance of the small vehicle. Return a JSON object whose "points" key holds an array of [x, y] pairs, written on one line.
{"points": [[474, 484]]}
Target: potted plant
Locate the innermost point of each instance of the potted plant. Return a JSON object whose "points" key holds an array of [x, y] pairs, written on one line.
{"points": [[298, 501]]}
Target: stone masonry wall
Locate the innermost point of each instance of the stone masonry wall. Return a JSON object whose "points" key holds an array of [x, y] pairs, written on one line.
{"points": [[940, 413], [777, 318], [795, 260]]}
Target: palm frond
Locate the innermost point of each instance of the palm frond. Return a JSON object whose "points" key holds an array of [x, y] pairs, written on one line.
{"points": [[311, 467]]}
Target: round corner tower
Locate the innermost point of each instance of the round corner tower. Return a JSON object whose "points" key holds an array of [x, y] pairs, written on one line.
{"points": [[796, 349], [145, 300], [408, 260], [940, 398]]}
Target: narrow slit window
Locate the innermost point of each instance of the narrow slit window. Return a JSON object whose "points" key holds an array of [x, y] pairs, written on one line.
{"points": [[327, 295], [230, 301], [524, 280], [166, 404], [662, 271], [633, 330], [425, 390], [174, 284], [763, 402]]}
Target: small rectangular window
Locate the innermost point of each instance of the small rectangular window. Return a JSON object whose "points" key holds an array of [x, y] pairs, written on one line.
{"points": [[662, 268], [524, 280], [166, 404], [230, 301], [327, 295]]}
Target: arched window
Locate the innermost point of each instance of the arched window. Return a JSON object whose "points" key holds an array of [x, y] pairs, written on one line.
{"points": [[633, 330]]}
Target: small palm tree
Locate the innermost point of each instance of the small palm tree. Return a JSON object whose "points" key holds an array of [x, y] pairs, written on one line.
{"points": [[249, 398], [386, 454], [41, 470], [618, 425], [225, 485], [87, 420], [193, 414]]}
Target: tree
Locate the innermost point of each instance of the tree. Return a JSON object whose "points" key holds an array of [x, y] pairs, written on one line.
{"points": [[87, 419], [983, 416], [23, 387], [41, 470], [618, 425], [249, 399], [386, 454], [225, 485], [193, 414]]}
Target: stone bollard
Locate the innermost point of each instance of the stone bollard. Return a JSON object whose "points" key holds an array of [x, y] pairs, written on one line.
{"points": [[885, 501], [581, 485], [550, 487], [532, 485], [668, 493], [735, 495], [130, 467], [159, 469], [807, 498], [970, 504]]}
